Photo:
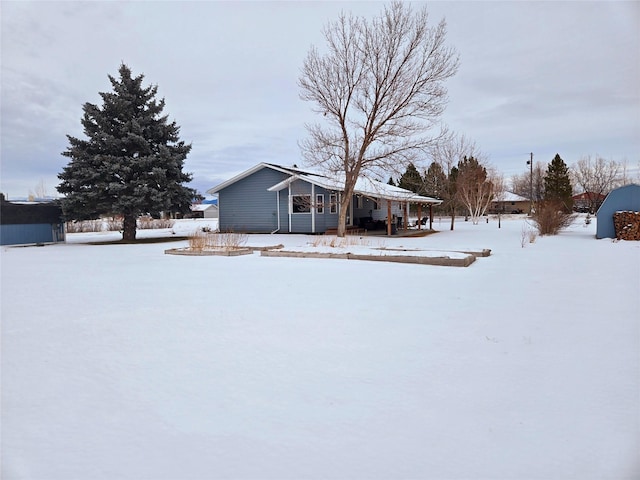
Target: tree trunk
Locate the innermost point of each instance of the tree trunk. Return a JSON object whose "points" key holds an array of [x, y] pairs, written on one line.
{"points": [[129, 228], [345, 202]]}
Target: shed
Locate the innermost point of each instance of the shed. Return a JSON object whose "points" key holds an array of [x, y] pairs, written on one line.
{"points": [[30, 223], [626, 198]]}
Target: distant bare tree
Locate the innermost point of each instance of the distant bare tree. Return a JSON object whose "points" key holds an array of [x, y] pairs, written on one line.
{"points": [[380, 88], [623, 175], [523, 186], [448, 153], [499, 191], [595, 177], [40, 191], [475, 188]]}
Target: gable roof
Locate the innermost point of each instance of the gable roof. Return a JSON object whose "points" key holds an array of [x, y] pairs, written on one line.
{"points": [[511, 197], [201, 207], [364, 186], [251, 171]]}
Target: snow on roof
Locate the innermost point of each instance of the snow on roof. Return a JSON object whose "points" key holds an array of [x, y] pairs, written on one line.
{"points": [[201, 207], [364, 186], [512, 197]]}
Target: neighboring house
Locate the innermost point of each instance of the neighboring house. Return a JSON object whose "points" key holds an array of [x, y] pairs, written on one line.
{"points": [[587, 202], [204, 210], [510, 203], [621, 199], [270, 198], [28, 223]]}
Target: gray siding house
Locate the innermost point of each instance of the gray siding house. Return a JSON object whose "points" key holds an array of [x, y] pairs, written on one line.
{"points": [[625, 198], [271, 198]]}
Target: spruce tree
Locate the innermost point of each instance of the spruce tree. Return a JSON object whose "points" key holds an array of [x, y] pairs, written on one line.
{"points": [[435, 183], [131, 163], [557, 184], [412, 180]]}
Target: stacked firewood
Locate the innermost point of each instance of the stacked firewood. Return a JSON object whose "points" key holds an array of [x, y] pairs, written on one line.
{"points": [[627, 225]]}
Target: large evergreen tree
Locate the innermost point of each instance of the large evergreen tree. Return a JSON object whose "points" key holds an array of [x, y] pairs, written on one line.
{"points": [[132, 161], [557, 184]]}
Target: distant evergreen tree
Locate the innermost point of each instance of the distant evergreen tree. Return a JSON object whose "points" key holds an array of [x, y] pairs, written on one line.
{"points": [[131, 163], [435, 184], [435, 181], [391, 182], [412, 180], [557, 184]]}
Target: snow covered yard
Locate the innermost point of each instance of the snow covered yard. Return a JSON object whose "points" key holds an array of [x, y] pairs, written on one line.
{"points": [[119, 361]]}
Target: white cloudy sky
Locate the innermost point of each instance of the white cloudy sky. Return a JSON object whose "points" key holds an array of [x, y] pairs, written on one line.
{"points": [[541, 77]]}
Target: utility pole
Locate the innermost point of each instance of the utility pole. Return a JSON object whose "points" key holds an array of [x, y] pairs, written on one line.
{"points": [[530, 163]]}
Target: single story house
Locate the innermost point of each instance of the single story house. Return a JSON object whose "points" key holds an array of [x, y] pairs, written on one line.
{"points": [[26, 223], [510, 202], [587, 202], [271, 198], [626, 198]]}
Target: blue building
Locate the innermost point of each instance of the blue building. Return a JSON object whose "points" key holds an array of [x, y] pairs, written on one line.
{"points": [[621, 199], [270, 198], [30, 223]]}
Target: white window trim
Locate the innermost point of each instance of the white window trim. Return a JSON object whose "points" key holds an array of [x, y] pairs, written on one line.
{"points": [[320, 204], [300, 195]]}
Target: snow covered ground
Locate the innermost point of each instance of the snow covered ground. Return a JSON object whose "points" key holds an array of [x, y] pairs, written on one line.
{"points": [[121, 362]]}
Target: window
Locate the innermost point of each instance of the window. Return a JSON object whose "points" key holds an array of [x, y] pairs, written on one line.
{"points": [[320, 203], [301, 204], [333, 203], [359, 201]]}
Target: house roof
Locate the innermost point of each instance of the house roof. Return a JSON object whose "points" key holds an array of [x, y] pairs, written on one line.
{"points": [[588, 196], [364, 186], [512, 197], [201, 207], [251, 171]]}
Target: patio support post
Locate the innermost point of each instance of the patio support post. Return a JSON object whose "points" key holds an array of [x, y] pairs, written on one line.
{"points": [[431, 216], [389, 217], [406, 214], [419, 216]]}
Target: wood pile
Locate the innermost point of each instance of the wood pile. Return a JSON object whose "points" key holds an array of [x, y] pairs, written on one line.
{"points": [[627, 225]]}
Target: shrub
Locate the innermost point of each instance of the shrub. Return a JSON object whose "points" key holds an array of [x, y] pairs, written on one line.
{"points": [[148, 223], [550, 217], [82, 226], [204, 240]]}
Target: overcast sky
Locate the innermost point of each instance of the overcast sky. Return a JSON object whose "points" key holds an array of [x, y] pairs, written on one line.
{"points": [[541, 77]]}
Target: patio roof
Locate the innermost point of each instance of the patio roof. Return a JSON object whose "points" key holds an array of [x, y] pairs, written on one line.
{"points": [[364, 186]]}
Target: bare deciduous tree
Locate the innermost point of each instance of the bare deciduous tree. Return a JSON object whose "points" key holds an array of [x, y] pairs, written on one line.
{"points": [[524, 186], [449, 153], [596, 178], [499, 191], [380, 87], [475, 188]]}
